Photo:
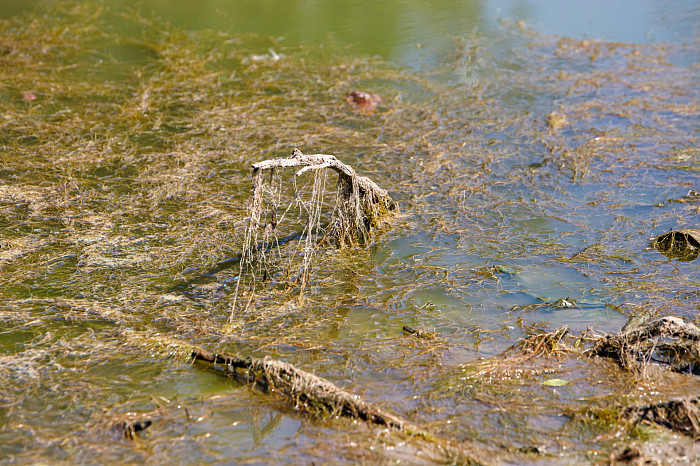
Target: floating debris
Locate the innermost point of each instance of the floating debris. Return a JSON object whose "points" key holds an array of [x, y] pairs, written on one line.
{"points": [[499, 268], [555, 382], [563, 303], [271, 56], [129, 427], [419, 333], [306, 392], [683, 245], [539, 345], [365, 102], [360, 207], [556, 121], [679, 415], [668, 340]]}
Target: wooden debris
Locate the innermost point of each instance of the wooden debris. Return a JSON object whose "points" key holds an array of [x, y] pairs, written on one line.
{"points": [[418, 333], [360, 208], [311, 393], [668, 340], [308, 391], [361, 204], [129, 427]]}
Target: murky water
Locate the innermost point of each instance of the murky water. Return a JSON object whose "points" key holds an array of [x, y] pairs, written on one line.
{"points": [[534, 149]]}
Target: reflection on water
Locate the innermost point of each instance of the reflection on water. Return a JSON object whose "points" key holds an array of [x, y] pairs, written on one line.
{"points": [[411, 33], [644, 21]]}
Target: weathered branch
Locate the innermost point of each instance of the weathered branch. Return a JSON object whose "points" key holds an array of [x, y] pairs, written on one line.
{"points": [[668, 326], [312, 393], [306, 389]]}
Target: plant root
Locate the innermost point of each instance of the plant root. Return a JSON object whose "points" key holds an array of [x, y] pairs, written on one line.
{"points": [[360, 208], [360, 205], [667, 340]]}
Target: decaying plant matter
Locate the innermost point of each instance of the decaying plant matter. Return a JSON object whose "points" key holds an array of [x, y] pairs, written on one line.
{"points": [[681, 415], [667, 340], [128, 428], [679, 244], [309, 392], [364, 102], [528, 349], [360, 204], [359, 209]]}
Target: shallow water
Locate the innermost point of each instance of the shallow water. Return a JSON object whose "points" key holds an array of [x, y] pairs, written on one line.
{"points": [[126, 140]]}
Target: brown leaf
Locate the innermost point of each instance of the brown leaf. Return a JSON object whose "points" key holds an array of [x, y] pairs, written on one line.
{"points": [[365, 102]]}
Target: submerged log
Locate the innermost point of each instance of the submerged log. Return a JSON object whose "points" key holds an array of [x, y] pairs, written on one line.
{"points": [[311, 393], [308, 391]]}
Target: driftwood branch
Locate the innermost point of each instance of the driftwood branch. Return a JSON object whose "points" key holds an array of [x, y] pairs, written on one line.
{"points": [[310, 392], [305, 389], [306, 392], [368, 188]]}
